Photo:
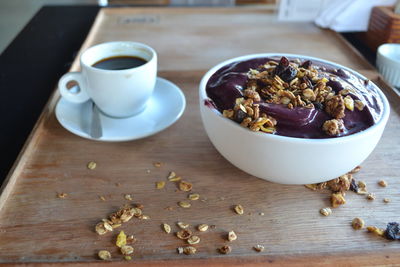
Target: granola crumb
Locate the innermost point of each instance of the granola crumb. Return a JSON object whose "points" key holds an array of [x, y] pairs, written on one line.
{"points": [[193, 240], [232, 236], [193, 196], [358, 223], [130, 239], [91, 165], [127, 258], [189, 250], [371, 196], [261, 214], [376, 230], [239, 209], [185, 186], [160, 184], [382, 183], [325, 211], [225, 249], [184, 204], [258, 248], [171, 175], [102, 198], [183, 225], [62, 195], [128, 197], [333, 127], [157, 164], [386, 200], [166, 227], [355, 170], [179, 250], [104, 255], [126, 250], [202, 227], [337, 199], [184, 234]]}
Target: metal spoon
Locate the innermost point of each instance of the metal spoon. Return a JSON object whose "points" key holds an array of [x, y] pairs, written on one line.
{"points": [[96, 130]]}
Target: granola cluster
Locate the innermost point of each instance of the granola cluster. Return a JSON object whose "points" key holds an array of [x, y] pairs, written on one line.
{"points": [[293, 84]]}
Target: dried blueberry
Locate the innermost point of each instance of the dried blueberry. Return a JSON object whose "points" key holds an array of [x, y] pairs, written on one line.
{"points": [[341, 73], [392, 231], [283, 64], [288, 74], [335, 85], [239, 116], [318, 105], [306, 64], [353, 185]]}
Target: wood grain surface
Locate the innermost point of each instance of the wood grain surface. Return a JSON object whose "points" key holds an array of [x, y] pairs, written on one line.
{"points": [[37, 227]]}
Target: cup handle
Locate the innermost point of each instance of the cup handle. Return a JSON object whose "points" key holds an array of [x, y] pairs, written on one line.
{"points": [[78, 96]]}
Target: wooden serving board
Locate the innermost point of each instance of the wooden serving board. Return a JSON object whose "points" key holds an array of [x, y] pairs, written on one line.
{"points": [[38, 227]]}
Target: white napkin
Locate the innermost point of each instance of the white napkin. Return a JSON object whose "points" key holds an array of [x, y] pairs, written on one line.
{"points": [[348, 15]]}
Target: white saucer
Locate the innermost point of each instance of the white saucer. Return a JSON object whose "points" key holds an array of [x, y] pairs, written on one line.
{"points": [[163, 109]]}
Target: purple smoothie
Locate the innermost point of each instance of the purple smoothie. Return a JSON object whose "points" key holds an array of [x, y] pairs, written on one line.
{"points": [[227, 84]]}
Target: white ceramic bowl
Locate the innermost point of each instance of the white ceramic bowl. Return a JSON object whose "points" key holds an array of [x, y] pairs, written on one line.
{"points": [[388, 63], [288, 160]]}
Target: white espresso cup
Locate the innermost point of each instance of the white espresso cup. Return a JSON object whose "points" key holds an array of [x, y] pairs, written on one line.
{"points": [[117, 93]]}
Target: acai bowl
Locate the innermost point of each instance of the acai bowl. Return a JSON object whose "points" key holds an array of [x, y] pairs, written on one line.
{"points": [[291, 119]]}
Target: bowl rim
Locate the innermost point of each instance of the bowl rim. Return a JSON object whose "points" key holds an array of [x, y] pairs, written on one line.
{"points": [[380, 123]]}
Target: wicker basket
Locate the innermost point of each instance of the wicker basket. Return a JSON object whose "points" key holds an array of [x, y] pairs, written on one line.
{"points": [[384, 27]]}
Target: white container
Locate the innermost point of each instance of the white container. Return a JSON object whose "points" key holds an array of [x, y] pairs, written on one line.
{"points": [[388, 63], [288, 160]]}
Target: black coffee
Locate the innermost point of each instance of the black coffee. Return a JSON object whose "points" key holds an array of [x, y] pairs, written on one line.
{"points": [[119, 63]]}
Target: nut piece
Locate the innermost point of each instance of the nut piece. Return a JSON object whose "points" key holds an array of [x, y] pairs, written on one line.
{"points": [[358, 223], [189, 250], [171, 175], [202, 227], [232, 236], [239, 209], [382, 183], [126, 250], [349, 103], [225, 249], [160, 184], [337, 199], [121, 239], [325, 211], [258, 248], [371, 196], [183, 225], [376, 230], [104, 255], [194, 239], [185, 186], [91, 165], [193, 196], [184, 234], [184, 204], [167, 228]]}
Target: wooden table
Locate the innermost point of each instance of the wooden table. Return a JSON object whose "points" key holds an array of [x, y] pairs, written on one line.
{"points": [[36, 226]]}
